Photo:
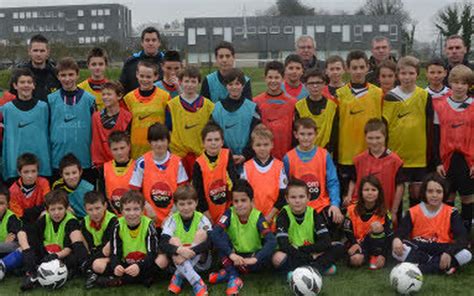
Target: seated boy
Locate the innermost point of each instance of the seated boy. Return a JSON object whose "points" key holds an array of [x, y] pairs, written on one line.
{"points": [[111, 118], [186, 116], [71, 181], [277, 109], [321, 109], [292, 85], [436, 73], [171, 66], [118, 172], [157, 174], [133, 244], [213, 174], [147, 104], [314, 166], [302, 235], [243, 239], [97, 62], [213, 86], [57, 235], [265, 174], [27, 193], [237, 116], [184, 239], [97, 229]]}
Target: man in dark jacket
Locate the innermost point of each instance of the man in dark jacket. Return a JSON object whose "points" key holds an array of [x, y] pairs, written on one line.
{"points": [[306, 49], [43, 69], [150, 42], [380, 52]]}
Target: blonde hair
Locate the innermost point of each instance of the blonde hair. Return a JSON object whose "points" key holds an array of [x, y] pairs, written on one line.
{"points": [[409, 61], [261, 131], [461, 73]]}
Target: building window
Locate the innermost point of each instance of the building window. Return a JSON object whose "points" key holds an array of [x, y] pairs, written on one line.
{"points": [[22, 28], [288, 30], [94, 26], [217, 31], [60, 27], [60, 14], [201, 31], [22, 15], [100, 12], [107, 11], [251, 30], [274, 30], [239, 31], [16, 29], [2, 15], [357, 33], [88, 40], [80, 12], [383, 28], [120, 26], [346, 33], [34, 14], [336, 29], [28, 14], [367, 29], [93, 39], [393, 32], [15, 15], [81, 40], [100, 26], [262, 30], [191, 36], [93, 13], [320, 29], [101, 39], [41, 28], [80, 27]]}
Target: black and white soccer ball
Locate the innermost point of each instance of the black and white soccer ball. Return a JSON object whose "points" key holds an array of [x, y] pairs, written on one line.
{"points": [[306, 281], [52, 274], [406, 278]]}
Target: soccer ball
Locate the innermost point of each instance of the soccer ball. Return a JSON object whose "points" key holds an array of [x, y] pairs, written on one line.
{"points": [[52, 274], [2, 271], [406, 278], [306, 281]]}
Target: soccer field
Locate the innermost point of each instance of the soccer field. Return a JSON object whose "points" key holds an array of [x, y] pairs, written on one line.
{"points": [[347, 281]]}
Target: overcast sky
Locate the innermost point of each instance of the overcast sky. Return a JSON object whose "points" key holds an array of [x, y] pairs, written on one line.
{"points": [[144, 11]]}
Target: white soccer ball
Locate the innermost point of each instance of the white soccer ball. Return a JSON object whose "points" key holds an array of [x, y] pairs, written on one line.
{"points": [[52, 274], [306, 281], [406, 278], [2, 272]]}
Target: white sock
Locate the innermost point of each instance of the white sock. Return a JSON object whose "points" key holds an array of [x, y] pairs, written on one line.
{"points": [[186, 270], [463, 257], [406, 251]]}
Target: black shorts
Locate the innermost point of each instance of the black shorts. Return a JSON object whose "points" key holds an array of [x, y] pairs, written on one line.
{"points": [[345, 174], [412, 175], [458, 176]]}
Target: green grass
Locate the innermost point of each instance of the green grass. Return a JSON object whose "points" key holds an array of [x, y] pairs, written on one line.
{"points": [[347, 281]]}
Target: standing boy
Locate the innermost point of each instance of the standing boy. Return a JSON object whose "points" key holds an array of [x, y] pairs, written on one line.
{"points": [[97, 62], [294, 69], [335, 69], [171, 66], [277, 109], [436, 73]]}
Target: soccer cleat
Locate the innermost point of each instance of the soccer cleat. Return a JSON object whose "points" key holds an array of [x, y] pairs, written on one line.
{"points": [[28, 282], [175, 284], [217, 277], [373, 263], [234, 285], [91, 279], [450, 270], [200, 289], [108, 281], [331, 270]]}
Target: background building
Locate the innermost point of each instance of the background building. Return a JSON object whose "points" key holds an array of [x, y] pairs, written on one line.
{"points": [[257, 38], [83, 24]]}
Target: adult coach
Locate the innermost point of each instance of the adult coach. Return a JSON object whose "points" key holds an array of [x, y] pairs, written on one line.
{"points": [[150, 42], [306, 49], [455, 51], [380, 48], [43, 69]]}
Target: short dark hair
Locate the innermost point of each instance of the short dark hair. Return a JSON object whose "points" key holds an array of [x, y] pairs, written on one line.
{"points": [[171, 56], [315, 72], [435, 177], [275, 66], [211, 127], [294, 182], [115, 86], [67, 63], [376, 124], [386, 64], [455, 36], [379, 209], [356, 55], [132, 196], [57, 196], [149, 65], [92, 197], [118, 136], [5, 192], [225, 45], [149, 30], [185, 192], [69, 160], [243, 186], [26, 159], [234, 74], [437, 61], [304, 122], [294, 58], [38, 38], [17, 73], [191, 72], [158, 131], [334, 59], [98, 52]]}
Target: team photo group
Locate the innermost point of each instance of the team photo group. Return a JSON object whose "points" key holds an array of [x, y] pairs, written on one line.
{"points": [[171, 175]]}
